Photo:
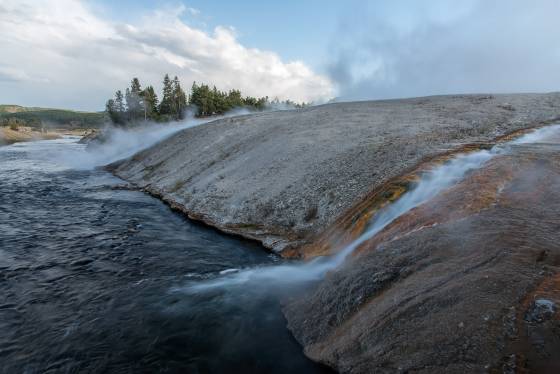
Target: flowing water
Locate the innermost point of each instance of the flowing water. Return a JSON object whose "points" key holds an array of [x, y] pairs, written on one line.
{"points": [[289, 277], [89, 273], [94, 278]]}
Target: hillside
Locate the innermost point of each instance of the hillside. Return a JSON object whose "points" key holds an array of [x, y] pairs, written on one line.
{"points": [[54, 118]]}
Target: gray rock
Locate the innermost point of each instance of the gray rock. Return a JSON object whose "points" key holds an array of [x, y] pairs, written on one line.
{"points": [[540, 311], [284, 177]]}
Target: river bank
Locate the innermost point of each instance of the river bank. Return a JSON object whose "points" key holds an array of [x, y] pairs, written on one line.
{"points": [[100, 271], [284, 178], [24, 134], [27, 134]]}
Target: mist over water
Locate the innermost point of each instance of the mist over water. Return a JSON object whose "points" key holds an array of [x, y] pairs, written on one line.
{"points": [[541, 135], [89, 267], [121, 143]]}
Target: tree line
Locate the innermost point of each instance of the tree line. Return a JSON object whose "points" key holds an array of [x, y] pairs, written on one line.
{"points": [[143, 104], [60, 118], [138, 104]]}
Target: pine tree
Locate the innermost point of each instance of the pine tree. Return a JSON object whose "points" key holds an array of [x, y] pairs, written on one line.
{"points": [[179, 99], [166, 105], [194, 98], [127, 99], [111, 110], [135, 86], [119, 102], [150, 101], [115, 108], [135, 109], [234, 99], [137, 103], [204, 92]]}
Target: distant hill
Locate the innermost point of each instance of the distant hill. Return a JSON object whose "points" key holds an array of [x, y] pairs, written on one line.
{"points": [[50, 117]]}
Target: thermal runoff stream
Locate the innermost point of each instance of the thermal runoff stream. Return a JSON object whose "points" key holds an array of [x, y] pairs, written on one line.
{"points": [[284, 277], [95, 278]]}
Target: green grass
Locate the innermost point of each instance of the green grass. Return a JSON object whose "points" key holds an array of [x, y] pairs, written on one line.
{"points": [[37, 117]]}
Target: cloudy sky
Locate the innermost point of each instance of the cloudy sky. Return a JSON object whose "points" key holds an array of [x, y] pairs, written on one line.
{"points": [[76, 53]]}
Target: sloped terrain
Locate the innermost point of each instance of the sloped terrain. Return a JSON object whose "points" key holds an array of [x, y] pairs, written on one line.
{"points": [[285, 177], [467, 282]]}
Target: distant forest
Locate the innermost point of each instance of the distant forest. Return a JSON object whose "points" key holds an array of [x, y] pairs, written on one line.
{"points": [[15, 115], [137, 104]]}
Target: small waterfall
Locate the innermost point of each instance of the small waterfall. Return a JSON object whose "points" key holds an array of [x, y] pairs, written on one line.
{"points": [[430, 184]]}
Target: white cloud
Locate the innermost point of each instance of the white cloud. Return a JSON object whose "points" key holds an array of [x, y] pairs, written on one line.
{"points": [[60, 53], [12, 74], [412, 48]]}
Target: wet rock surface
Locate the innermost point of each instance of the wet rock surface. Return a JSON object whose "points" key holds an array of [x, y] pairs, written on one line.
{"points": [[467, 282], [284, 177]]}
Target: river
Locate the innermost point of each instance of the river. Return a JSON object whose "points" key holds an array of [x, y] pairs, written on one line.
{"points": [[91, 277]]}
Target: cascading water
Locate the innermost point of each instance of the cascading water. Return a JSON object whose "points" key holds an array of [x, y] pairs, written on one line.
{"points": [[431, 184]]}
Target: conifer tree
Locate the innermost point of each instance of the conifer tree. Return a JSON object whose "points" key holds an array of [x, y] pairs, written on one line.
{"points": [[135, 109], [137, 103], [111, 110], [115, 108], [179, 99], [166, 105], [135, 86], [127, 99], [150, 101], [119, 102], [234, 99]]}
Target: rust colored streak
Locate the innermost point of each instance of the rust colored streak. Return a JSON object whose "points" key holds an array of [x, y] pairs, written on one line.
{"points": [[353, 223]]}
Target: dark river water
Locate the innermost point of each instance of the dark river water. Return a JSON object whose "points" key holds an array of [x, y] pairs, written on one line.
{"points": [[93, 279]]}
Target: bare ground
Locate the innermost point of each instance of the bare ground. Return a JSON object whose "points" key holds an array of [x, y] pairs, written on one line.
{"points": [[286, 177], [468, 282], [24, 134]]}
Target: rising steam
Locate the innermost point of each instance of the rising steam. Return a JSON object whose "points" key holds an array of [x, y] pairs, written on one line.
{"points": [[121, 143], [431, 184]]}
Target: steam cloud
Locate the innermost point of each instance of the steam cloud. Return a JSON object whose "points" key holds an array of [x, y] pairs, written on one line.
{"points": [[440, 178], [121, 143], [411, 48]]}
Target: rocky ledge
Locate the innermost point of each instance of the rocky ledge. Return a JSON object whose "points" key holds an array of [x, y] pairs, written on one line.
{"points": [[287, 177]]}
